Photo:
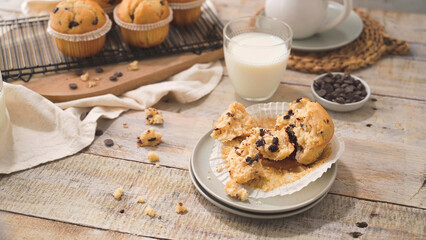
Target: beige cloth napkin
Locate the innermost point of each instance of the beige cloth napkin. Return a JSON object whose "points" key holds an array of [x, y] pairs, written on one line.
{"points": [[42, 131]]}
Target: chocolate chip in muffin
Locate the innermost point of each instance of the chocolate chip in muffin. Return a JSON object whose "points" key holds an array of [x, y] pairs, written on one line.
{"points": [[230, 114], [162, 3], [250, 160], [260, 142], [290, 112], [298, 100], [111, 2], [73, 86], [286, 117], [109, 142], [132, 16], [275, 141], [94, 22], [273, 148], [55, 10], [73, 24], [152, 139], [262, 132]]}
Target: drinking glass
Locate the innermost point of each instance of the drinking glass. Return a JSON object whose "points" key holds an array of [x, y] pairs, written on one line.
{"points": [[256, 53]]}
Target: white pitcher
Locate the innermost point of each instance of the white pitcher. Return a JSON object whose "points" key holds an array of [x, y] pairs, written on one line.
{"points": [[306, 17]]}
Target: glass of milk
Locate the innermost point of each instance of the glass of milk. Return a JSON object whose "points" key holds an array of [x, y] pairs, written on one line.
{"points": [[256, 53], [4, 121]]}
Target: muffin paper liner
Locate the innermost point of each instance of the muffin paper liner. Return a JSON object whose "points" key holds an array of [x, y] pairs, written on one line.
{"points": [[187, 5], [271, 110], [92, 35], [142, 27]]}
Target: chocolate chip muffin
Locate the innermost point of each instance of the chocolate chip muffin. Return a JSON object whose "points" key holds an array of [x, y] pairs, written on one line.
{"points": [[185, 12], [144, 23], [79, 27], [309, 128]]}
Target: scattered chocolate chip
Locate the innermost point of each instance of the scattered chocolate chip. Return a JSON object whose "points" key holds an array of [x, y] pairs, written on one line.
{"points": [[118, 74], [368, 125], [55, 10], [109, 142], [355, 234], [260, 142], [94, 22], [262, 132], [79, 72], [113, 78], [73, 86], [273, 148], [132, 16], [83, 115], [99, 132], [374, 99], [275, 141], [362, 224], [122, 211], [152, 139], [99, 70], [73, 24], [230, 114], [374, 214]]}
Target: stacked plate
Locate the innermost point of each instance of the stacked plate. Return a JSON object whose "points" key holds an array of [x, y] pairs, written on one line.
{"points": [[264, 208]]}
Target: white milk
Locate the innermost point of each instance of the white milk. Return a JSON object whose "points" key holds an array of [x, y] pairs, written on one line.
{"points": [[256, 64]]}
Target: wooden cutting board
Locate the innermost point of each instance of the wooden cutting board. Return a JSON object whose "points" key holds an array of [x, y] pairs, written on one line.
{"points": [[56, 88]]}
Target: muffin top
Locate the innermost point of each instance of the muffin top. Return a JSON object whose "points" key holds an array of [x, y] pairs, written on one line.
{"points": [[77, 17], [107, 3], [143, 11]]}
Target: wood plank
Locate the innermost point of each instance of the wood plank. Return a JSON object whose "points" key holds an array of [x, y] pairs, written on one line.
{"points": [[15, 226], [79, 190]]}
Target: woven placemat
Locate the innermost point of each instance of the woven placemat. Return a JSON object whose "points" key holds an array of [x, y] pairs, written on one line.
{"points": [[365, 50]]}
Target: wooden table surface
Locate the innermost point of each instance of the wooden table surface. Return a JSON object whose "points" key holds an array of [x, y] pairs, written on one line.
{"points": [[380, 180]]}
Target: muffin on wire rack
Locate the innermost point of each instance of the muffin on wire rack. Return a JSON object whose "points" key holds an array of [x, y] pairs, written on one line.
{"points": [[143, 23], [185, 12], [79, 27]]}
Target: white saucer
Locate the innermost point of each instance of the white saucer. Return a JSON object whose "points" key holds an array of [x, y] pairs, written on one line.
{"points": [[340, 36], [239, 212], [278, 204]]}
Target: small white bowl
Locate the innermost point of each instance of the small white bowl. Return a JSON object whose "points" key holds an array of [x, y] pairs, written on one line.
{"points": [[346, 107]]}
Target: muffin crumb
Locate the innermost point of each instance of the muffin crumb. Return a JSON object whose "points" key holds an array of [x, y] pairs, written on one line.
{"points": [[91, 84], [84, 77], [150, 211], [153, 116], [180, 208], [118, 193], [153, 157], [133, 66], [125, 125], [219, 168], [157, 165], [149, 138]]}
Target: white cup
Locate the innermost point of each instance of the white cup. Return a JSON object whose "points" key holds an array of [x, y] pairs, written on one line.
{"points": [[5, 128], [306, 17]]}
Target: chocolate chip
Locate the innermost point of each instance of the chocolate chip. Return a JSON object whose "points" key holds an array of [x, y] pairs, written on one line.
{"points": [[94, 22], [374, 99], [275, 141], [298, 100], [262, 132], [322, 92], [83, 115], [362, 224], [113, 78], [132, 16], [118, 74], [368, 125], [152, 139], [273, 148], [286, 117], [122, 211], [230, 114], [111, 2], [73, 86], [216, 129], [73, 24], [99, 132], [355, 234], [150, 116], [99, 70], [290, 112], [260, 142], [162, 2], [55, 10], [109, 142], [79, 72], [250, 160]]}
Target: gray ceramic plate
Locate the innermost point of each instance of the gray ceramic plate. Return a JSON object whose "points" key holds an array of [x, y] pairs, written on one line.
{"points": [[278, 204], [239, 212], [337, 37]]}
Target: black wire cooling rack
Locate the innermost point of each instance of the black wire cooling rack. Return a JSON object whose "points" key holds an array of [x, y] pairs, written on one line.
{"points": [[27, 49]]}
